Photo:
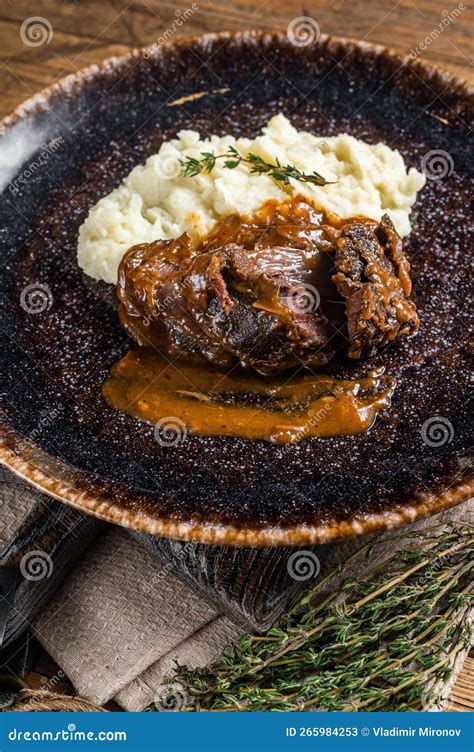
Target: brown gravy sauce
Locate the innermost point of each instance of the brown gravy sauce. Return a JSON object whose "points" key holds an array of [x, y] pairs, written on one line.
{"points": [[282, 409]]}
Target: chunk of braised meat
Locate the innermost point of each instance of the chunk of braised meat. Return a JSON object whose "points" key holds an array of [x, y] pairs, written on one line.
{"points": [[270, 291], [373, 277], [257, 305]]}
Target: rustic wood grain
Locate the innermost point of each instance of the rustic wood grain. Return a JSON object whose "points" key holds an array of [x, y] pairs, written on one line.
{"points": [[462, 696], [88, 31], [252, 585]]}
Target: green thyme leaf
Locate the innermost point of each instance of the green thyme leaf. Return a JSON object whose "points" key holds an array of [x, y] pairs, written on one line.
{"points": [[190, 167]]}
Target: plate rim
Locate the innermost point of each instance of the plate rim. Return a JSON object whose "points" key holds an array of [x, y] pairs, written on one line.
{"points": [[422, 505]]}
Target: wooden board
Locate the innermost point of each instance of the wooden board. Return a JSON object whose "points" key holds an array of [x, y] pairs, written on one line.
{"points": [[79, 34], [462, 696]]}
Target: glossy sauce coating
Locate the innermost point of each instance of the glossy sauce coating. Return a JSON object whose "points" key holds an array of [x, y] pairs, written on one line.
{"points": [[282, 409], [244, 283]]}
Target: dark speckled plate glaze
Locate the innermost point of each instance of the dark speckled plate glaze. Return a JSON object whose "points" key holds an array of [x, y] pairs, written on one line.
{"points": [[57, 431]]}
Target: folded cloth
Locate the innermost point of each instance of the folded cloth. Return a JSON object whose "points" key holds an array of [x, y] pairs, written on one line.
{"points": [[120, 621], [40, 541], [122, 616], [17, 501]]}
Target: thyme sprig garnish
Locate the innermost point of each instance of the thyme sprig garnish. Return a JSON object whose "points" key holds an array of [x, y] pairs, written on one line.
{"points": [[386, 642], [190, 167]]}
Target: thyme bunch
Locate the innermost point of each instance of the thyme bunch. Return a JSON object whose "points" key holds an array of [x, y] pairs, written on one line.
{"points": [[386, 642], [190, 167]]}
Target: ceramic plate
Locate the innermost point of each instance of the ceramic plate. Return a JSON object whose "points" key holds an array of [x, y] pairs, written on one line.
{"points": [[75, 142]]}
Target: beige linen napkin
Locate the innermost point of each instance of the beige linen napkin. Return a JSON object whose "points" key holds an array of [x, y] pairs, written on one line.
{"points": [[122, 618], [116, 624], [16, 502]]}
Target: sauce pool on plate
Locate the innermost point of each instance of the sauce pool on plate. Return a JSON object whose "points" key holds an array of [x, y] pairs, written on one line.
{"points": [[282, 409]]}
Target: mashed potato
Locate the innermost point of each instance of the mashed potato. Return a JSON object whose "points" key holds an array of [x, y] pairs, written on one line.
{"points": [[156, 202]]}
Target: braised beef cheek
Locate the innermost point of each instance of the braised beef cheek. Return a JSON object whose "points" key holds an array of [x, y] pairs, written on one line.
{"points": [[285, 286], [373, 277]]}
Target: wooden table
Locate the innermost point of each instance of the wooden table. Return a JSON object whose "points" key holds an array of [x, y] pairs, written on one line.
{"points": [[87, 31], [81, 32]]}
